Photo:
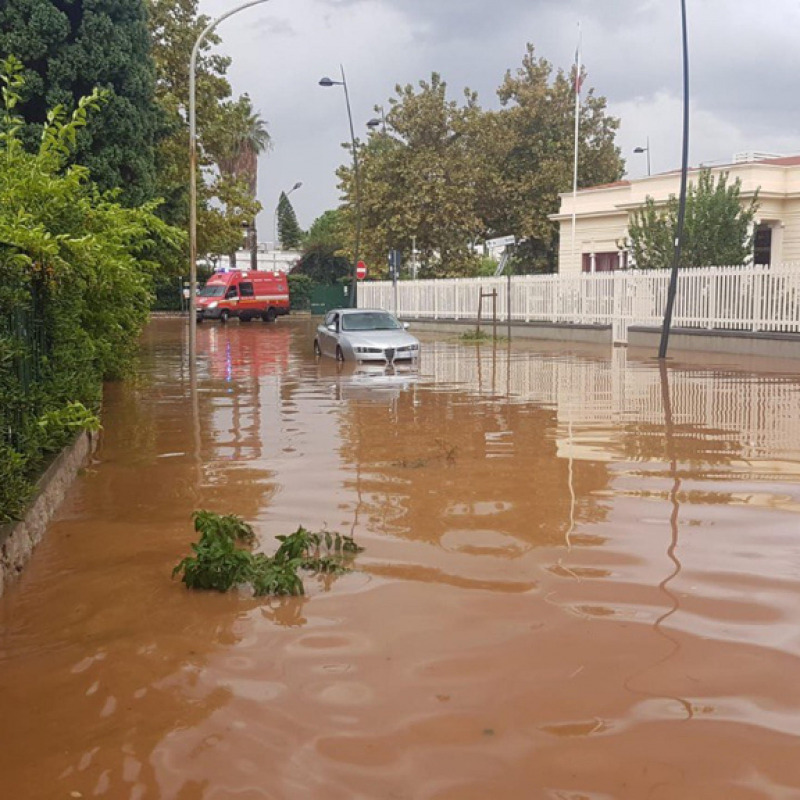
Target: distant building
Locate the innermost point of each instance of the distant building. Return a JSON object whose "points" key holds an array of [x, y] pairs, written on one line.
{"points": [[602, 213], [268, 261]]}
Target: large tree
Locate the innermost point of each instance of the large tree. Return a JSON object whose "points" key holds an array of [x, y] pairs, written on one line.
{"points": [[323, 257], [246, 137], [226, 200], [69, 47], [450, 174], [289, 231], [718, 228], [533, 141], [419, 180]]}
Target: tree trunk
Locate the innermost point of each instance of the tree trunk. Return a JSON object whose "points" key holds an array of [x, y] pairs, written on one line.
{"points": [[232, 259], [252, 236]]}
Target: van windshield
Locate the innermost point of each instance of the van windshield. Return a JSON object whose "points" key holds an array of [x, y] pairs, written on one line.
{"points": [[215, 290]]}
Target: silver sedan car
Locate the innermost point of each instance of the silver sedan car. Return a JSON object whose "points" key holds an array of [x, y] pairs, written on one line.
{"points": [[362, 334]]}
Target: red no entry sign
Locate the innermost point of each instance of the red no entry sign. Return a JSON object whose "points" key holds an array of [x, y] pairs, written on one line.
{"points": [[361, 270]]}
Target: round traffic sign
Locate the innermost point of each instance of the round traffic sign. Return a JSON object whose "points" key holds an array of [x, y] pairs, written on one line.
{"points": [[361, 270]]}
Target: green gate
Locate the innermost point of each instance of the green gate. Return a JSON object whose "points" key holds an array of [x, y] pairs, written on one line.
{"points": [[324, 298]]}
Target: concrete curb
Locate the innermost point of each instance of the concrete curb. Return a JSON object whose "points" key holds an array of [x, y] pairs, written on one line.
{"points": [[763, 344], [18, 539], [548, 331]]}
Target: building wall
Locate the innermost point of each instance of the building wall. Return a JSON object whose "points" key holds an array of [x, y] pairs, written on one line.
{"points": [[602, 213]]}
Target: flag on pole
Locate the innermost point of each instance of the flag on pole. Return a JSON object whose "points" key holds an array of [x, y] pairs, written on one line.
{"points": [[578, 75]]}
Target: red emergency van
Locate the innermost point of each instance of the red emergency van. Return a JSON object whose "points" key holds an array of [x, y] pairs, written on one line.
{"points": [[245, 295]]}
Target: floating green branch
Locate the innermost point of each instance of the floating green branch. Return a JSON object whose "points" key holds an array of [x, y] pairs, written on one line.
{"points": [[220, 563]]}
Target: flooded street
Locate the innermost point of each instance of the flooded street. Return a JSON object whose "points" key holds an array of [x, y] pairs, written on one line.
{"points": [[581, 581]]}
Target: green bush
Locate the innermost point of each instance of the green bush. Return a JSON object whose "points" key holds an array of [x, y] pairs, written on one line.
{"points": [[300, 287], [76, 272]]}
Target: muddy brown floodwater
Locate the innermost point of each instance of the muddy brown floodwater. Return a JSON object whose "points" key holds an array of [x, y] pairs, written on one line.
{"points": [[581, 581]]}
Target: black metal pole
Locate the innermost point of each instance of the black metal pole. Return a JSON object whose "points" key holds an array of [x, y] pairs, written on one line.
{"points": [[354, 280], [673, 279]]}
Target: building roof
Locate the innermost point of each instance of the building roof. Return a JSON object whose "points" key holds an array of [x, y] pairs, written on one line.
{"points": [[783, 161]]}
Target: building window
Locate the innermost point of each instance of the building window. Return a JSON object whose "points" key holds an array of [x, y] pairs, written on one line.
{"points": [[762, 245]]}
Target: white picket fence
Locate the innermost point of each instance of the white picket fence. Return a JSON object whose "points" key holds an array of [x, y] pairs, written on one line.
{"points": [[728, 298]]}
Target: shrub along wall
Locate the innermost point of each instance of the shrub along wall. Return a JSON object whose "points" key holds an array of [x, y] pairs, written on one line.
{"points": [[76, 272]]}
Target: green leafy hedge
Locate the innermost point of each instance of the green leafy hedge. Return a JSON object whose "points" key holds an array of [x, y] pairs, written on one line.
{"points": [[76, 273]]}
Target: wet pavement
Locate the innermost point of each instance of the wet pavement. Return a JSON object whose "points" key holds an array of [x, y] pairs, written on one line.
{"points": [[581, 581]]}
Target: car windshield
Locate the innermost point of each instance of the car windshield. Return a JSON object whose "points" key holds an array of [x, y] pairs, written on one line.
{"points": [[370, 321], [215, 290]]}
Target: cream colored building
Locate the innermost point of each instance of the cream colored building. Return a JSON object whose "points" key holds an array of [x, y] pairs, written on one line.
{"points": [[602, 212]]}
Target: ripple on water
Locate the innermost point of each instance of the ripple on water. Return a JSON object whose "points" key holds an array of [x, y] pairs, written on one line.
{"points": [[482, 543]]}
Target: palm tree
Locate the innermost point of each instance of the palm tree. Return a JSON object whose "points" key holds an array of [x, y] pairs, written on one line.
{"points": [[247, 139]]}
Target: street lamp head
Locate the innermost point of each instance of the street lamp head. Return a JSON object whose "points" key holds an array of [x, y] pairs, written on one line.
{"points": [[373, 123], [328, 82], [296, 186], [640, 149]]}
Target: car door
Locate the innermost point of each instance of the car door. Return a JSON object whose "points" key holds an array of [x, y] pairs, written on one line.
{"points": [[327, 335], [247, 299], [231, 299]]}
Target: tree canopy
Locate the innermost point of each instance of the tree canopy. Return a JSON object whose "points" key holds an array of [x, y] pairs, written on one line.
{"points": [[452, 174], [718, 226], [230, 133], [70, 47], [289, 231], [323, 257]]}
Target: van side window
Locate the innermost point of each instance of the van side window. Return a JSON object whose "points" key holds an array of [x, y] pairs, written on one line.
{"points": [[230, 293], [246, 289]]}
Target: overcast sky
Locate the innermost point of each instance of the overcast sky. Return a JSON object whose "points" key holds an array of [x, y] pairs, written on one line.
{"points": [[744, 68]]}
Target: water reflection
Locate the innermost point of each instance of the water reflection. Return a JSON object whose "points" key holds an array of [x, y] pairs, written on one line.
{"points": [[566, 556]]}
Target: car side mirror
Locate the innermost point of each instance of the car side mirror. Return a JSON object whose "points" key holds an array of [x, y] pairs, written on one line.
{"points": [[332, 327], [405, 326]]}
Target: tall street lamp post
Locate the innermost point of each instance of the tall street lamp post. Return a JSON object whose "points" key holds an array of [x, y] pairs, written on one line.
{"points": [[645, 150], [193, 175], [676, 255], [343, 83]]}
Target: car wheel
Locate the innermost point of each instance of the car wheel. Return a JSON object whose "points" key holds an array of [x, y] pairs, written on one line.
{"points": [[339, 353], [247, 318], [270, 315], [224, 315], [317, 351]]}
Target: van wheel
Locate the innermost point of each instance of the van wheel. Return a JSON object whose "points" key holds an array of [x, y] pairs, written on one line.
{"points": [[224, 315], [246, 319], [270, 315], [339, 353], [317, 351]]}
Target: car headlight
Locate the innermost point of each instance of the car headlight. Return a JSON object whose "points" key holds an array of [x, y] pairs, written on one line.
{"points": [[408, 347], [212, 305]]}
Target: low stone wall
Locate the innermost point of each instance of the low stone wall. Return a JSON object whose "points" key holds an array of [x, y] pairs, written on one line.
{"points": [[18, 539], [549, 331], [740, 343]]}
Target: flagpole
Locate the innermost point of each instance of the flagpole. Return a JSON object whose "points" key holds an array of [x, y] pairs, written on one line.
{"points": [[577, 88]]}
